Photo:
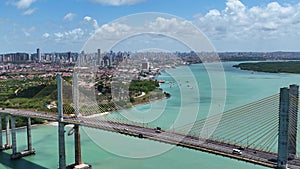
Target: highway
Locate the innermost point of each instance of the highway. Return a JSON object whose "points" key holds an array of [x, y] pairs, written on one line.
{"points": [[207, 145]]}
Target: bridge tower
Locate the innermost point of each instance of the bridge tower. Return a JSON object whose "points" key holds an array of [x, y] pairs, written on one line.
{"points": [[61, 129], [61, 126], [283, 129], [293, 120], [78, 159], [287, 130]]}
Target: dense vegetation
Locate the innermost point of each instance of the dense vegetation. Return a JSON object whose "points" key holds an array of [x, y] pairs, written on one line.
{"points": [[136, 87], [149, 87], [37, 94], [243, 58], [27, 93], [30, 94], [119, 95], [272, 67]]}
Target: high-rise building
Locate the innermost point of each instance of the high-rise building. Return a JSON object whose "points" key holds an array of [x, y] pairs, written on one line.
{"points": [[38, 53], [30, 57], [146, 66], [99, 59], [111, 55], [69, 57]]}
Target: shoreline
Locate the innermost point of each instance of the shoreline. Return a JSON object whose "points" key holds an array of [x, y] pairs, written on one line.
{"points": [[280, 67], [55, 123]]}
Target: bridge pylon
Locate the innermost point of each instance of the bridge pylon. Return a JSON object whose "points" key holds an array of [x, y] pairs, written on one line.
{"points": [[61, 131], [293, 120], [287, 129]]}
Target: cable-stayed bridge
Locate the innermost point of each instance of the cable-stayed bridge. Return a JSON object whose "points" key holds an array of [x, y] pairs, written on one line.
{"points": [[265, 131]]}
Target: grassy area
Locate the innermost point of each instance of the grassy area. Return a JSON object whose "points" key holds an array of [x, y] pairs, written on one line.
{"points": [[272, 67], [27, 94], [36, 93]]}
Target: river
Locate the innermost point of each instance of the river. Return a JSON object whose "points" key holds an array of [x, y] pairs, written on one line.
{"points": [[114, 151]]}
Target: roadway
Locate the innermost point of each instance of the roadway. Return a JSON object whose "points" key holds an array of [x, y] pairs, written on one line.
{"points": [[207, 145]]}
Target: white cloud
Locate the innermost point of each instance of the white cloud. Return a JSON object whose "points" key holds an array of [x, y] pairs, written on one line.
{"points": [[87, 18], [73, 35], [94, 22], [23, 3], [59, 35], [117, 2], [27, 32], [69, 16], [237, 21], [171, 25], [29, 11], [162, 25], [46, 35], [114, 30]]}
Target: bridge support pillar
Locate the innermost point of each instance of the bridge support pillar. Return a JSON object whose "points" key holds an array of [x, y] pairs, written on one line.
{"points": [[7, 145], [293, 119], [7, 132], [1, 141], [15, 154], [283, 129], [29, 141], [61, 145], [13, 136], [78, 160]]}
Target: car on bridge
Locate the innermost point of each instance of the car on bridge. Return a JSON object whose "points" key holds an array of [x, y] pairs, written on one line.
{"points": [[236, 151], [157, 130], [241, 148]]}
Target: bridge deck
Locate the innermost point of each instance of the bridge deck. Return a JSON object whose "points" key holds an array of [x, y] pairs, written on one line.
{"points": [[211, 146]]}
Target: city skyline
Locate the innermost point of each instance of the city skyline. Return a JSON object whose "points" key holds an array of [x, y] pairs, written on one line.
{"points": [[230, 25]]}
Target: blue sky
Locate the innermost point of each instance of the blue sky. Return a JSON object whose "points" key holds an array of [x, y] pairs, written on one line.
{"points": [[230, 25]]}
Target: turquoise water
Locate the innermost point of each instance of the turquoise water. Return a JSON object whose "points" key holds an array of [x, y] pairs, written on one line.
{"points": [[107, 150]]}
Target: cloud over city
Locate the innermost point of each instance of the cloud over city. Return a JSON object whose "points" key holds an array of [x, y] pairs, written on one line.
{"points": [[92, 21], [69, 16], [237, 21], [29, 11], [21, 4]]}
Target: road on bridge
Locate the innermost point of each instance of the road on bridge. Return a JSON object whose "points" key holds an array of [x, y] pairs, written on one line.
{"points": [[207, 145]]}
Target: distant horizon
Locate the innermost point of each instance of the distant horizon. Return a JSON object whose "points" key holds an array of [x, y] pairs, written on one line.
{"points": [[154, 52]]}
